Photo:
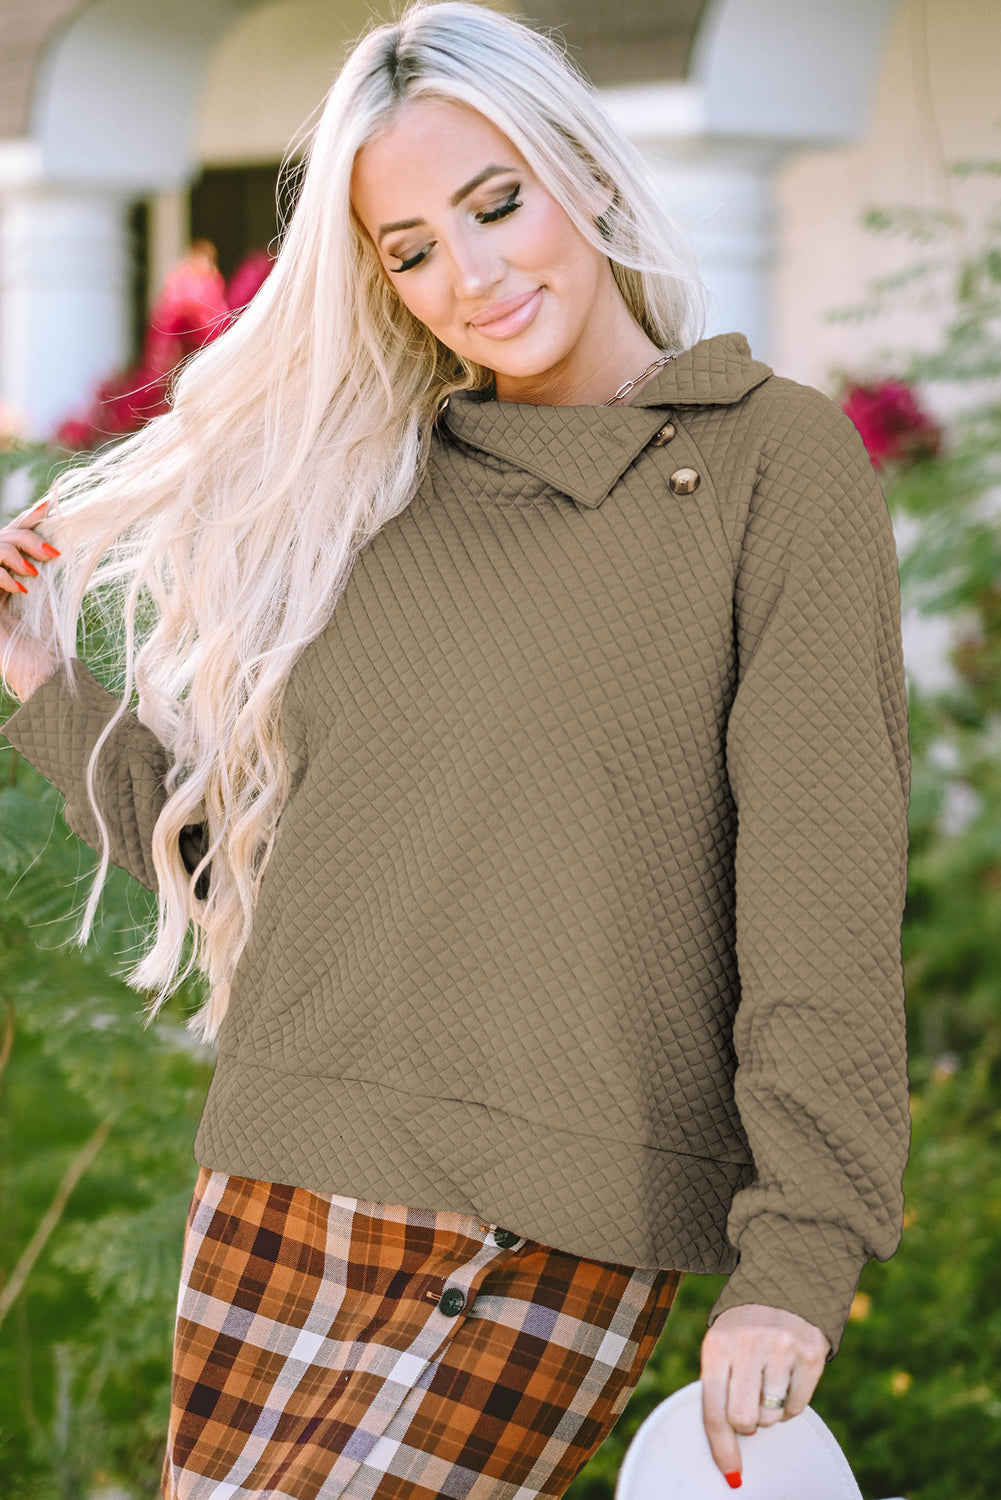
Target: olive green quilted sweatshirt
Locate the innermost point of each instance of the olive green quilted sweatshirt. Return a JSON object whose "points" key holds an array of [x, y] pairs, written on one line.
{"points": [[584, 913]]}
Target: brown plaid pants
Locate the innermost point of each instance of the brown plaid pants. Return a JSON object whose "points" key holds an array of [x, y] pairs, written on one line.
{"points": [[331, 1347]]}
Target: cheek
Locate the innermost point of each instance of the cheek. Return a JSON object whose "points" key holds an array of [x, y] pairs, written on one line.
{"points": [[424, 297], [556, 242], [538, 236]]}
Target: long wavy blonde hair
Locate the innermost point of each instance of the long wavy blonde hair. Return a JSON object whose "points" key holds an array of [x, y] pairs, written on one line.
{"points": [[215, 542]]}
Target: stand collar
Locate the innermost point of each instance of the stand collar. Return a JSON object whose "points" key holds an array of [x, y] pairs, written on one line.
{"points": [[583, 450]]}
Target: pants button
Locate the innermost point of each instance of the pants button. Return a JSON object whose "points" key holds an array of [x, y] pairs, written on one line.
{"points": [[505, 1238], [452, 1301]]}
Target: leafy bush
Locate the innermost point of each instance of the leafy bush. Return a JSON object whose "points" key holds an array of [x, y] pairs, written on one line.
{"points": [[84, 1363]]}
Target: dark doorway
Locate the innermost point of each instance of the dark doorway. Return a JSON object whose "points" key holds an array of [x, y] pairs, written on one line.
{"points": [[139, 289], [235, 208]]}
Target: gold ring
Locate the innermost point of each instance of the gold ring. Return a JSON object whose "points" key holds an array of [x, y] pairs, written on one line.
{"points": [[772, 1403]]}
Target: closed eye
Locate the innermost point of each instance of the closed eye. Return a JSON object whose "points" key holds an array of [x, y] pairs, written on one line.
{"points": [[491, 215], [485, 216]]}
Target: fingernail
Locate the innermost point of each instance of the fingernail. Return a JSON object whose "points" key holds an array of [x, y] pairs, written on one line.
{"points": [[21, 587], [49, 550], [32, 570], [733, 1479]]}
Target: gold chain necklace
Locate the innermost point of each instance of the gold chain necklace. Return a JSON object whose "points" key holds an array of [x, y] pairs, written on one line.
{"points": [[624, 390]]}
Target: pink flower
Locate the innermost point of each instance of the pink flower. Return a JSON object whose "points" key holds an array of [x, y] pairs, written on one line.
{"points": [[127, 401], [893, 425], [122, 404], [194, 307], [75, 433], [190, 311], [248, 278]]}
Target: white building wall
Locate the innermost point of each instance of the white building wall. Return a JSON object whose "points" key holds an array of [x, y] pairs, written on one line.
{"points": [[269, 73], [937, 99]]}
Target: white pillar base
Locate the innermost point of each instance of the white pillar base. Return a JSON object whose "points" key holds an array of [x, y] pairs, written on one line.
{"points": [[64, 303]]}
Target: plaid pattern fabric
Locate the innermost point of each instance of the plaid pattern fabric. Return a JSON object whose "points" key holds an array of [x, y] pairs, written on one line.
{"points": [[328, 1346]]}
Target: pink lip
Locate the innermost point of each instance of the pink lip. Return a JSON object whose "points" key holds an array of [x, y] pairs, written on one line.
{"points": [[508, 317]]}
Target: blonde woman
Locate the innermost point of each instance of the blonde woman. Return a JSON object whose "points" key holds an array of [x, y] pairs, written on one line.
{"points": [[520, 726]]}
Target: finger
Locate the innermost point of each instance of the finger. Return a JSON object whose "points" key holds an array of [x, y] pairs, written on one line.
{"points": [[13, 544], [33, 514], [802, 1384], [12, 560], [11, 584], [27, 540], [775, 1381], [743, 1409], [723, 1442]]}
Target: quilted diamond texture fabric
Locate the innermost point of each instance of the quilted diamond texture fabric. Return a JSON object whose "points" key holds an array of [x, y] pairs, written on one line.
{"points": [[584, 914]]}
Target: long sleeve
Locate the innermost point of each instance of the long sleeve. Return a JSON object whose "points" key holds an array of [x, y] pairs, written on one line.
{"points": [[56, 730], [819, 768]]}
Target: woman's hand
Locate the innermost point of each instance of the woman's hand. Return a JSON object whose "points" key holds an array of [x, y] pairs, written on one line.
{"points": [[753, 1351], [28, 663]]}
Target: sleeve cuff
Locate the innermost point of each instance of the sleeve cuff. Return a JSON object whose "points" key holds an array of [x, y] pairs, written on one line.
{"points": [[56, 727], [811, 1269]]}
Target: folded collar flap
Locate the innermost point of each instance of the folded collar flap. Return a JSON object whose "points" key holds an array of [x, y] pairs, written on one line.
{"points": [[582, 450]]}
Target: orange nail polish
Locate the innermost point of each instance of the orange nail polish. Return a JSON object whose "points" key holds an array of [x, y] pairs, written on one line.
{"points": [[733, 1479], [49, 550], [32, 570], [21, 586]]}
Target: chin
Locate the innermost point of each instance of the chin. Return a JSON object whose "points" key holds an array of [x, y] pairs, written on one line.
{"points": [[527, 364], [527, 356]]}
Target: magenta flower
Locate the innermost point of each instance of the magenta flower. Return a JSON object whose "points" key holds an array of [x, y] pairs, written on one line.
{"points": [[194, 307], [248, 278], [894, 427], [190, 311]]}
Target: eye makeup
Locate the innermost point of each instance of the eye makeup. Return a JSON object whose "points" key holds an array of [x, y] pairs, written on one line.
{"points": [[484, 216]]}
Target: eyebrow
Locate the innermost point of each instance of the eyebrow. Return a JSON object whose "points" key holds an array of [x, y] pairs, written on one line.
{"points": [[493, 170]]}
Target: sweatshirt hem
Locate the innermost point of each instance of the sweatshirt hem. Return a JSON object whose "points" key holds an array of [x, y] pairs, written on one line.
{"points": [[625, 1203]]}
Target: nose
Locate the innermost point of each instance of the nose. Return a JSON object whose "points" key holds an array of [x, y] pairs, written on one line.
{"points": [[476, 269]]}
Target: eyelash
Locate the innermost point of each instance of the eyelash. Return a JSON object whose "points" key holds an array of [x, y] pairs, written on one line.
{"points": [[488, 216]]}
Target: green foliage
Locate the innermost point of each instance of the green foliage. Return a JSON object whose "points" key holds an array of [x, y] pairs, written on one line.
{"points": [[36, 463], [84, 1357], [952, 933], [917, 1402]]}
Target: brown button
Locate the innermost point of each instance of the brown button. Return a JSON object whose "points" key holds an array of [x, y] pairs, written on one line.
{"points": [[685, 481], [665, 435]]}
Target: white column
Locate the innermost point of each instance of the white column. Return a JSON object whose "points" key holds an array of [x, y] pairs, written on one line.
{"points": [[64, 305], [722, 195], [169, 234], [719, 189]]}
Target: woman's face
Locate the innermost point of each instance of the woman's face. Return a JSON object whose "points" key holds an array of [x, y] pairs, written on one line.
{"points": [[481, 253]]}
